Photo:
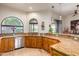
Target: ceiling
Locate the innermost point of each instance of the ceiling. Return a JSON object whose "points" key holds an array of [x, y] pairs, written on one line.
{"points": [[62, 9]]}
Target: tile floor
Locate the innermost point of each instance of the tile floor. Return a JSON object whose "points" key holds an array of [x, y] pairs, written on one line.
{"points": [[27, 52]]}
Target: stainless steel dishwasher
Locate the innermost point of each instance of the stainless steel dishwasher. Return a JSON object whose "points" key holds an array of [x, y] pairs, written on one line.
{"points": [[18, 42]]}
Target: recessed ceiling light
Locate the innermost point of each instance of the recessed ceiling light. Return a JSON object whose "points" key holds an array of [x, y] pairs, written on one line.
{"points": [[30, 7]]}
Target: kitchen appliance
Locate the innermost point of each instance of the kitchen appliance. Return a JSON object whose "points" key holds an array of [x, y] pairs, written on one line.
{"points": [[18, 42]]}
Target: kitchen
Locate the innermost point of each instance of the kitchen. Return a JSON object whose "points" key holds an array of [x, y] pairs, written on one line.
{"points": [[49, 29]]}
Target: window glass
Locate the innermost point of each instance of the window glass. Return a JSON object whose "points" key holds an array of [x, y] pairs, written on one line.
{"points": [[12, 25], [18, 29], [33, 25], [35, 28], [6, 29], [12, 21]]}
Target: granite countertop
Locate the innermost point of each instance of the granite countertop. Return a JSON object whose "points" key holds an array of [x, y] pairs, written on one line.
{"points": [[20, 35], [67, 46], [11, 36]]}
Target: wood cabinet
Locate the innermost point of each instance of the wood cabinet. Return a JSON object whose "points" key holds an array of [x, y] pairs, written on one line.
{"points": [[6, 44], [39, 42], [45, 43], [27, 42], [33, 42], [11, 44]]}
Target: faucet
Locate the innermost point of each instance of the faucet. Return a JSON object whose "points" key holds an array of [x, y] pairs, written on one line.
{"points": [[13, 28]]}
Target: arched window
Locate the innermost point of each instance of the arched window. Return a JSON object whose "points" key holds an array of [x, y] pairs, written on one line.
{"points": [[11, 25], [33, 23]]}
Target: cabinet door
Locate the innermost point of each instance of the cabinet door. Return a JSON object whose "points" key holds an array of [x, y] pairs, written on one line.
{"points": [[7, 44], [39, 42], [33, 41], [28, 42], [4, 45], [45, 43], [11, 43]]}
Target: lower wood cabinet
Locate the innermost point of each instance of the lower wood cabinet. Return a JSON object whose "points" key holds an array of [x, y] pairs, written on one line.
{"points": [[6, 44], [11, 44], [28, 43], [39, 42], [45, 43], [33, 42]]}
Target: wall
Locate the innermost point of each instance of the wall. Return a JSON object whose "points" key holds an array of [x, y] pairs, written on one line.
{"points": [[25, 17], [67, 21], [42, 16], [6, 12]]}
